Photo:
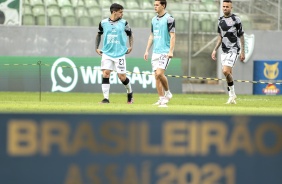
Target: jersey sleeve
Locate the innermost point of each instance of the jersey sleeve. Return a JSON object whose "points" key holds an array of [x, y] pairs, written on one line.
{"points": [[218, 28], [239, 27], [127, 29], [171, 24], [100, 29]]}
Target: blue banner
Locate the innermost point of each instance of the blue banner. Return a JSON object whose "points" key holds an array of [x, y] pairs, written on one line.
{"points": [[140, 149], [267, 71]]}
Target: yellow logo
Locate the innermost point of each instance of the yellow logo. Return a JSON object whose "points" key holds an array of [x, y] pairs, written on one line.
{"points": [[271, 71]]}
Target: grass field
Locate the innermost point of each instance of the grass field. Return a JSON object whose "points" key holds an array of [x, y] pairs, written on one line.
{"points": [[29, 102]]}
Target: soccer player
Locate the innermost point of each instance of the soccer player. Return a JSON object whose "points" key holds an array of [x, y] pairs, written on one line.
{"points": [[115, 30], [162, 38], [230, 36]]}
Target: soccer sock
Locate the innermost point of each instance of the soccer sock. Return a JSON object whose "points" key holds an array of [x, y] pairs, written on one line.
{"points": [[106, 87], [231, 88], [167, 92], [127, 85]]}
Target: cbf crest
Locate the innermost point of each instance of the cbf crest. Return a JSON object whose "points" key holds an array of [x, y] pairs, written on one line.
{"points": [[271, 71]]}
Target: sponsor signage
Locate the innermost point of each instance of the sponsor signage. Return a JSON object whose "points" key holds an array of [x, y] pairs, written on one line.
{"points": [[267, 71], [9, 12], [249, 46], [73, 74], [140, 149]]}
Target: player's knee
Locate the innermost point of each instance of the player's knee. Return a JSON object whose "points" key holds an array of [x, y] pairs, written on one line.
{"points": [[122, 78], [226, 72], [158, 75], [106, 73]]}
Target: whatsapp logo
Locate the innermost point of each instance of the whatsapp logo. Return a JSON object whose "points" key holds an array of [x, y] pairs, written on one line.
{"points": [[64, 75]]}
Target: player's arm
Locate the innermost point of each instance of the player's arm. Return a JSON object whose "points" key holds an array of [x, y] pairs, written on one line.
{"points": [[129, 33], [172, 44], [218, 43], [98, 39], [242, 55], [130, 39], [149, 44], [240, 33], [171, 29]]}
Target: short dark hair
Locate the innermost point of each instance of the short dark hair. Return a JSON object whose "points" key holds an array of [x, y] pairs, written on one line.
{"points": [[227, 1], [163, 2], [115, 7]]}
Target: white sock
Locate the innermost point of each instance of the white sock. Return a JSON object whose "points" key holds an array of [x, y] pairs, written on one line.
{"points": [[231, 90], [127, 85], [106, 90], [128, 88], [167, 92]]}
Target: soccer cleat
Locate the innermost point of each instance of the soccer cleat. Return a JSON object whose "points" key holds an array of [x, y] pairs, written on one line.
{"points": [[163, 105], [158, 102], [164, 102], [130, 98], [168, 96], [231, 100], [104, 101]]}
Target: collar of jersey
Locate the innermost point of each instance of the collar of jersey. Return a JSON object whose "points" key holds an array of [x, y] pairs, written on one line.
{"points": [[113, 21], [162, 15], [228, 16]]}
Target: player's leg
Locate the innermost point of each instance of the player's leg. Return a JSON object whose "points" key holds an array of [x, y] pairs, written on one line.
{"points": [[228, 62], [163, 64], [227, 71], [165, 85], [120, 64], [160, 90], [159, 86], [106, 86], [106, 66], [126, 82]]}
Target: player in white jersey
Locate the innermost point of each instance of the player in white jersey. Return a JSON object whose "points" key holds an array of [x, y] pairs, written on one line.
{"points": [[162, 38], [231, 35], [115, 30]]}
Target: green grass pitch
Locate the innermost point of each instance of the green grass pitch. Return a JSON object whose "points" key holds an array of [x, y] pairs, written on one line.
{"points": [[29, 102]]}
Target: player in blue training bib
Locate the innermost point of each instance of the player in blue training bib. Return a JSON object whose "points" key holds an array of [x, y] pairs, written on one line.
{"points": [[162, 38], [115, 31]]}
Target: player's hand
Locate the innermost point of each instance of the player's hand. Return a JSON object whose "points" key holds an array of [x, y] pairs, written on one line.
{"points": [[170, 55], [213, 55], [242, 56], [146, 56], [99, 52], [129, 50]]}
